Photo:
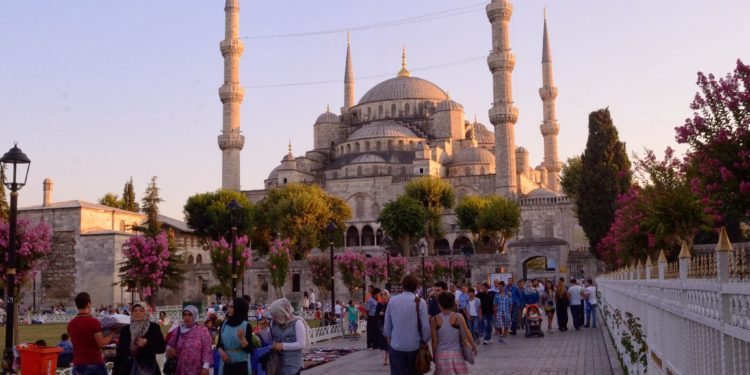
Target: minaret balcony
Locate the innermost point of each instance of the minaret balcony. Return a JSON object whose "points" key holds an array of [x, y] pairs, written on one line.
{"points": [[499, 10], [547, 93], [550, 128], [503, 114], [231, 47], [231, 93], [501, 61], [231, 141]]}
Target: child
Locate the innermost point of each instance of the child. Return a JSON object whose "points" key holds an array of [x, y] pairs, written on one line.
{"points": [[502, 312], [353, 315]]}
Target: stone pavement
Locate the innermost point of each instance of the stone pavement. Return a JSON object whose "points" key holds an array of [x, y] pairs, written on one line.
{"points": [[557, 353]]}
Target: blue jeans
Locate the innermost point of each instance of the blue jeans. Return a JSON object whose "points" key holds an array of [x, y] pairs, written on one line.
{"points": [[403, 363], [487, 325], [515, 314], [474, 327], [97, 369], [591, 316]]}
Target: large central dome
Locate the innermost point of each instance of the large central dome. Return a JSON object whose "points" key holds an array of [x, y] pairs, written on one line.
{"points": [[404, 87]]}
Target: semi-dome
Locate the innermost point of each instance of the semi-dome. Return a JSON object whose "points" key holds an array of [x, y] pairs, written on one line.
{"points": [[368, 158], [521, 150], [382, 129], [473, 155], [483, 135], [542, 193], [327, 117], [449, 105], [404, 87]]}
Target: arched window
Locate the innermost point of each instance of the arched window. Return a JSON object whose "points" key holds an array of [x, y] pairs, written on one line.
{"points": [[352, 236], [348, 148], [359, 207], [359, 171], [199, 259], [467, 171], [411, 145], [400, 145], [368, 236], [421, 109], [393, 110], [346, 172], [390, 145], [380, 111], [403, 171], [377, 145], [190, 259], [369, 112], [390, 170], [379, 237], [549, 228], [462, 245], [481, 170], [375, 209], [367, 146], [356, 147], [122, 225], [406, 109]]}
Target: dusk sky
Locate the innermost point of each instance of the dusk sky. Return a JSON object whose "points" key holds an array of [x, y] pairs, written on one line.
{"points": [[98, 91]]}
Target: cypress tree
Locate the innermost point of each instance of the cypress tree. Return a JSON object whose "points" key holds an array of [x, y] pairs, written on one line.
{"points": [[150, 204], [605, 174], [128, 197]]}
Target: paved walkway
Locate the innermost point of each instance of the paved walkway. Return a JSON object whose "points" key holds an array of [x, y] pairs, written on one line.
{"points": [[557, 353]]}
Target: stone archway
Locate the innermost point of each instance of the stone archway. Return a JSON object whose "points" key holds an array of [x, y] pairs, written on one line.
{"points": [[368, 236], [554, 250], [442, 246], [352, 236], [463, 245]]}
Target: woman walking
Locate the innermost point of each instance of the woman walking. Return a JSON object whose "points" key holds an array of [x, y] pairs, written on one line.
{"points": [[290, 336], [235, 340], [562, 300], [191, 345], [139, 345], [447, 329], [548, 301], [385, 296]]}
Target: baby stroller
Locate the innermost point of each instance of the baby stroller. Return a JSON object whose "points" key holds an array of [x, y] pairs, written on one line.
{"points": [[533, 320]]}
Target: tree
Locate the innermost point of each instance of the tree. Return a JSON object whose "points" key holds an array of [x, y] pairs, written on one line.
{"points": [[467, 213], [111, 200], [128, 197], [397, 270], [278, 264], [222, 257], [605, 175], [146, 259], [351, 266], [319, 267], [150, 205], [404, 219], [33, 244], [719, 138], [571, 177], [376, 269], [4, 207], [499, 220], [207, 214], [436, 196], [300, 213]]}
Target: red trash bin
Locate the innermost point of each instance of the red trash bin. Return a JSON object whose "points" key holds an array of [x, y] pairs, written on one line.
{"points": [[38, 360]]}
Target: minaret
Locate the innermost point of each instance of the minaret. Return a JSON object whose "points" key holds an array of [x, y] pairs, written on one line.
{"points": [[348, 77], [231, 95], [503, 114], [550, 128]]}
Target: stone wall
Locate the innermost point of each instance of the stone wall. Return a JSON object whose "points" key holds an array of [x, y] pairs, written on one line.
{"points": [[58, 279]]}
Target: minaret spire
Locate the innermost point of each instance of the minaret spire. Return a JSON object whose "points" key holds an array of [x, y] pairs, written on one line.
{"points": [[348, 77], [549, 128], [403, 72], [503, 114], [231, 94]]}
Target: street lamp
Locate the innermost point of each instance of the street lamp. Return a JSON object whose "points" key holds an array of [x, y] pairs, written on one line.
{"points": [[331, 228], [450, 268], [235, 218], [422, 253], [387, 241], [19, 164]]}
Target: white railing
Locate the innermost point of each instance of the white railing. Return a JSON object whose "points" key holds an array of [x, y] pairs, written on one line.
{"points": [[688, 317]]}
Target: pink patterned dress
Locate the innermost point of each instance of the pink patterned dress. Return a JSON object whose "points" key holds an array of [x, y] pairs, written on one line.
{"points": [[193, 350]]}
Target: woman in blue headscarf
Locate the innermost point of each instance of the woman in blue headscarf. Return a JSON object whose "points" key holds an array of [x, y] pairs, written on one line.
{"points": [[235, 340]]}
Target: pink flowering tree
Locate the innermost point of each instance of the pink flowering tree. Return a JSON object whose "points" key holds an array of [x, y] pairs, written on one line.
{"points": [[278, 263], [351, 266], [146, 260], [319, 267], [221, 254], [397, 270], [441, 269], [458, 269], [33, 244], [718, 135], [376, 269], [429, 271]]}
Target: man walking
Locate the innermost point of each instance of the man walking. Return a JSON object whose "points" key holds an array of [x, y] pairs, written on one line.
{"points": [[516, 303], [486, 299], [87, 338], [576, 304], [590, 294], [373, 326], [404, 314], [433, 308]]}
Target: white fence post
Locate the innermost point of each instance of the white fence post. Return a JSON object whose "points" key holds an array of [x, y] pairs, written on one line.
{"points": [[723, 251], [662, 265]]}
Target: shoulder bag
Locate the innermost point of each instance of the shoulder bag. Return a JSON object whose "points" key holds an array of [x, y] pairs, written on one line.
{"points": [[170, 365], [424, 357], [466, 348]]}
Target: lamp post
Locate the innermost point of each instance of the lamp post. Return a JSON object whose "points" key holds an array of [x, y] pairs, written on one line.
{"points": [[387, 242], [331, 228], [19, 164], [422, 251], [450, 269], [235, 213]]}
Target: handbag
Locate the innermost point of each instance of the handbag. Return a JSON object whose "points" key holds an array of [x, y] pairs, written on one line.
{"points": [[170, 365], [466, 348], [424, 357]]}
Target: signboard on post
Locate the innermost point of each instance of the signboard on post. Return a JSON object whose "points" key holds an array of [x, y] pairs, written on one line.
{"points": [[500, 276]]}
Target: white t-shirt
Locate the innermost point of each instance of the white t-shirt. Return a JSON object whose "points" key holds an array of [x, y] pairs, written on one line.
{"points": [[458, 296], [474, 306], [312, 297], [338, 309], [591, 290], [575, 294]]}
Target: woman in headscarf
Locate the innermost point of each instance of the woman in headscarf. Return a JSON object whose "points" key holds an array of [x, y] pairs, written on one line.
{"points": [[235, 340], [139, 345], [385, 296], [290, 336], [191, 345]]}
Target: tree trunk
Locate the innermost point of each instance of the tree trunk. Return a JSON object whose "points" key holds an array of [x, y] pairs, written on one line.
{"points": [[405, 246]]}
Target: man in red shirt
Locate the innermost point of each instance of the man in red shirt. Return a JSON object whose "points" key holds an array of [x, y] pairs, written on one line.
{"points": [[88, 340]]}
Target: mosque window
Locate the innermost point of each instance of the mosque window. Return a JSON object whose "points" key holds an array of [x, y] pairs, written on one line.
{"points": [[356, 147], [380, 111], [296, 282], [342, 151], [375, 210], [403, 171], [421, 170], [467, 171], [379, 236], [359, 206], [393, 110], [346, 172], [190, 259], [284, 181], [368, 236], [367, 146], [527, 229], [348, 148], [199, 259], [333, 145], [481, 170], [549, 228], [390, 170], [411, 145], [369, 112], [447, 170], [390, 145], [335, 175], [352, 236], [400, 145], [377, 145], [421, 109], [406, 109], [122, 225], [359, 171]]}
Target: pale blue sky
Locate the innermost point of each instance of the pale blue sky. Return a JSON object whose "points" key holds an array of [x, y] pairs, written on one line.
{"points": [[98, 91]]}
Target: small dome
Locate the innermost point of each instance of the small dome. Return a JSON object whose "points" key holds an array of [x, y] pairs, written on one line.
{"points": [[449, 105], [382, 129], [368, 158], [473, 155], [483, 135], [542, 193], [274, 173], [327, 117], [521, 150], [404, 87]]}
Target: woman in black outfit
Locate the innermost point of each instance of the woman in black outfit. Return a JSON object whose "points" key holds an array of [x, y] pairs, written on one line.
{"points": [[138, 346], [562, 301], [380, 313]]}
